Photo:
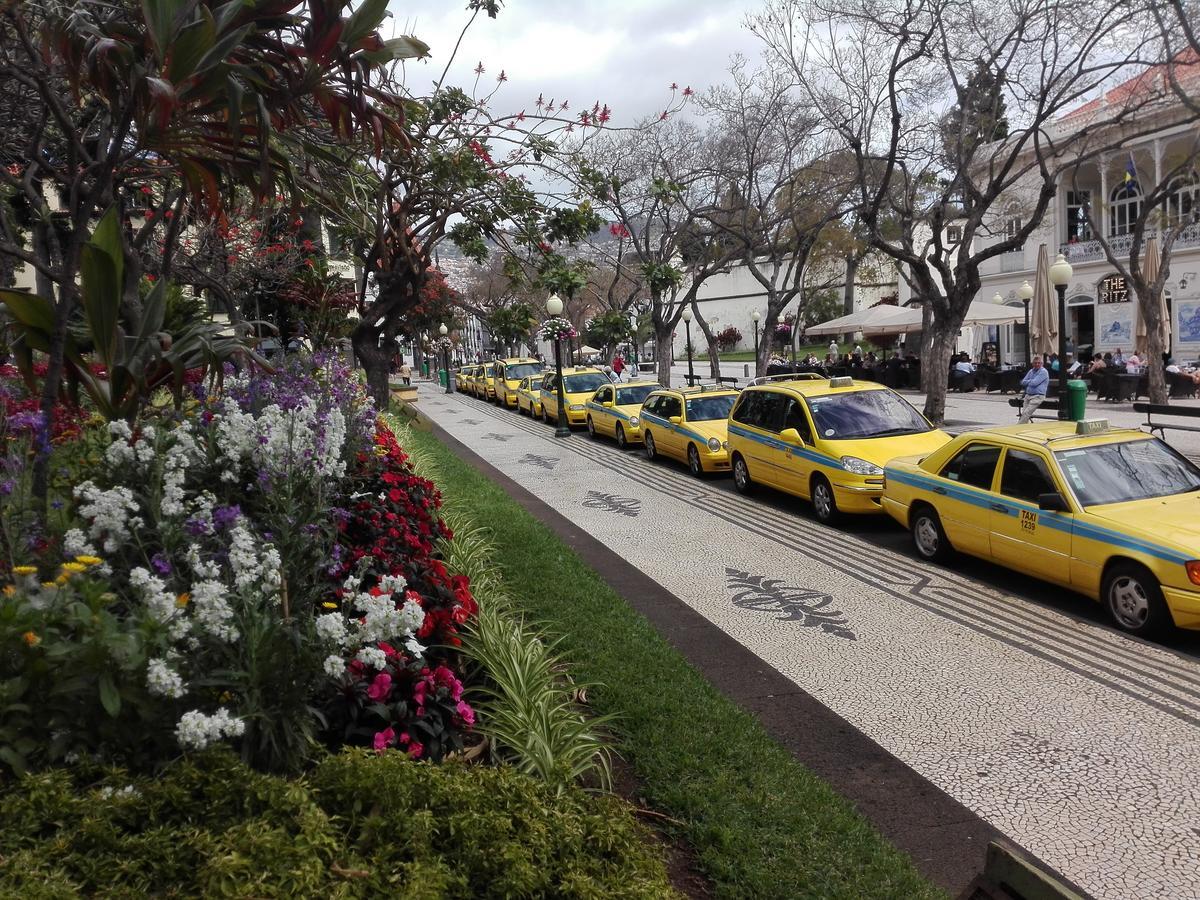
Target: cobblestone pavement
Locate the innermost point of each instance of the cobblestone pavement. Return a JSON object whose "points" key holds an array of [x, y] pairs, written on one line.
{"points": [[1077, 742]]}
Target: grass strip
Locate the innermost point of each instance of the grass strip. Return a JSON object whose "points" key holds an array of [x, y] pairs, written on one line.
{"points": [[760, 823]]}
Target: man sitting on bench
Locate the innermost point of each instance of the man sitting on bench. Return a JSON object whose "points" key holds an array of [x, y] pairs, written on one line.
{"points": [[1035, 383]]}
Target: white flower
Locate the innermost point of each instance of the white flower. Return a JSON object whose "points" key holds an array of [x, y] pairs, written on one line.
{"points": [[204, 569], [412, 617], [196, 730], [335, 666], [393, 584], [175, 464], [110, 513], [163, 681], [331, 627], [415, 647], [381, 619], [152, 591], [373, 657], [211, 612]]}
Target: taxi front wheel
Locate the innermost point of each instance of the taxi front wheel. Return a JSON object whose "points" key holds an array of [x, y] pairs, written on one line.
{"points": [[651, 450], [592, 429], [1135, 601], [694, 464], [622, 443], [928, 536], [824, 504], [741, 475]]}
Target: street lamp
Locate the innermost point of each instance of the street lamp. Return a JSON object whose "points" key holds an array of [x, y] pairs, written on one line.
{"points": [[1060, 276], [754, 317], [1025, 292], [554, 306], [633, 341], [446, 355], [687, 324]]}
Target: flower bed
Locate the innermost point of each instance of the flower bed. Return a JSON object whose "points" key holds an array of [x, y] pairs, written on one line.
{"points": [[257, 568]]}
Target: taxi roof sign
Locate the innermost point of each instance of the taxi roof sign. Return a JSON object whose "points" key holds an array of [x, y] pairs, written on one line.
{"points": [[1091, 426], [841, 381]]}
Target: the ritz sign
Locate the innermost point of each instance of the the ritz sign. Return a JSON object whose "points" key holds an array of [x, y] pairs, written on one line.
{"points": [[1114, 290]]}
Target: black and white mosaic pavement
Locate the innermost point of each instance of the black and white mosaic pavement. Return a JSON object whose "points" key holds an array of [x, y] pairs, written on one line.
{"points": [[1076, 741]]}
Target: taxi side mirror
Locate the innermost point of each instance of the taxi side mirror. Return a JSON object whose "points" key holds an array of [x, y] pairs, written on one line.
{"points": [[791, 436], [1053, 501], [675, 420], [608, 403]]}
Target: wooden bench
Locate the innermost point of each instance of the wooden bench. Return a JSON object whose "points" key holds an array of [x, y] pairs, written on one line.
{"points": [[1048, 405], [1165, 409]]}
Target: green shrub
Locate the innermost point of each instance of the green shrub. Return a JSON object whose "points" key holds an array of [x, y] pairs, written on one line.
{"points": [[358, 825]]}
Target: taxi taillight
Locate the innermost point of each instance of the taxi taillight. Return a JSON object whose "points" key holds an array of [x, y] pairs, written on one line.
{"points": [[1193, 570]]}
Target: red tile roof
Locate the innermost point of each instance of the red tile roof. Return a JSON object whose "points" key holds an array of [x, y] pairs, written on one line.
{"points": [[1153, 79]]}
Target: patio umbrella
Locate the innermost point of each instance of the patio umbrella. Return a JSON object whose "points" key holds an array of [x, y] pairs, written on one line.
{"points": [[588, 351], [1044, 315], [1150, 267], [871, 320], [906, 319]]}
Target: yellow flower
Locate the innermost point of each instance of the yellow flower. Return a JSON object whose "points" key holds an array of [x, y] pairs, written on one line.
{"points": [[9, 590], [182, 600], [225, 697], [31, 639], [329, 605], [25, 570], [88, 560], [48, 584], [75, 567], [62, 579]]}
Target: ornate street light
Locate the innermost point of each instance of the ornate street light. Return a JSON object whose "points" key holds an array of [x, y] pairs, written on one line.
{"points": [[446, 356], [687, 323], [1060, 277], [554, 307], [754, 317], [1025, 292]]}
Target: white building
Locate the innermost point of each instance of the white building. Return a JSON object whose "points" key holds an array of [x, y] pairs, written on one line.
{"points": [[1100, 311]]}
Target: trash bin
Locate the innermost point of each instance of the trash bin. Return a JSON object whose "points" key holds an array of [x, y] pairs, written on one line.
{"points": [[1077, 392], [442, 376]]}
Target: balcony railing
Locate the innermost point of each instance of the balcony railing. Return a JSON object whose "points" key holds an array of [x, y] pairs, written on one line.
{"points": [[1088, 251], [1013, 261]]}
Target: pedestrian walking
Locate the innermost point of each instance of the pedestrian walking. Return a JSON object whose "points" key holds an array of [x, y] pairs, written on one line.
{"points": [[406, 372], [833, 349], [618, 365], [1035, 383]]}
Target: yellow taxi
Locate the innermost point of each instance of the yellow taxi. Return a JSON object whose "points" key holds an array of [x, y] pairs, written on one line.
{"points": [[464, 379], [824, 440], [615, 409], [1110, 513], [579, 384], [507, 375], [484, 389], [529, 395], [689, 424]]}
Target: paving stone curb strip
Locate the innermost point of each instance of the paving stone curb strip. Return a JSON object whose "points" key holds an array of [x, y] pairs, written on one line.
{"points": [[946, 841]]}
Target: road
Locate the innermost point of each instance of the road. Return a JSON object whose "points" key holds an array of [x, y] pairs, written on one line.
{"points": [[1015, 698]]}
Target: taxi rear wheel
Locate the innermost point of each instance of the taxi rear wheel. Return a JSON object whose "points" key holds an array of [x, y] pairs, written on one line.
{"points": [[694, 465], [741, 476], [824, 504], [622, 441], [928, 535], [651, 450], [1135, 600]]}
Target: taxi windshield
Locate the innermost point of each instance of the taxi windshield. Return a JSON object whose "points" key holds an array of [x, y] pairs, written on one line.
{"points": [[521, 370], [1127, 470], [864, 414], [589, 381], [705, 409], [631, 395]]}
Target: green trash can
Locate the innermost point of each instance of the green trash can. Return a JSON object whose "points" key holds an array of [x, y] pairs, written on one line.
{"points": [[1077, 392], [442, 376]]}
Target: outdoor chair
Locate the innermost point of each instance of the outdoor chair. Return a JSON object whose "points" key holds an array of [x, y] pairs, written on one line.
{"points": [[1180, 385]]}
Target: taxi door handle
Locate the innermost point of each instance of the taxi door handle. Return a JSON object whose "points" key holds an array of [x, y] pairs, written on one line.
{"points": [[1000, 508], [940, 490]]}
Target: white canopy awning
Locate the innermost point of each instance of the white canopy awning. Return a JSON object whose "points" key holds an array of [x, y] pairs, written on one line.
{"points": [[872, 317], [980, 313]]}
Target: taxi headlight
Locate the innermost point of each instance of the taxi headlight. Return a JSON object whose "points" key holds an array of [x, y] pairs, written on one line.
{"points": [[577, 407], [714, 445], [860, 466], [633, 420], [1193, 570]]}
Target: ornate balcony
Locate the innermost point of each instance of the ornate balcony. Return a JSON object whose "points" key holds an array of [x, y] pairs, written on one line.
{"points": [[1090, 251]]}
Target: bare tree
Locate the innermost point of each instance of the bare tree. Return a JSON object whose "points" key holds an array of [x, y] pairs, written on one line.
{"points": [[916, 90]]}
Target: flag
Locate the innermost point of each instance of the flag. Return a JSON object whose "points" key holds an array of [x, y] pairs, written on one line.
{"points": [[1131, 171]]}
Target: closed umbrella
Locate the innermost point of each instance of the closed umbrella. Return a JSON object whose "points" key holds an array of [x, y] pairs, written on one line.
{"points": [[1150, 268], [1044, 317]]}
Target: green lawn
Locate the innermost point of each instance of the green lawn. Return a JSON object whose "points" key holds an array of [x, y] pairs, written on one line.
{"points": [[760, 823]]}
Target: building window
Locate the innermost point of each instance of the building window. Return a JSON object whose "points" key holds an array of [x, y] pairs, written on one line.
{"points": [[1011, 227], [1078, 205], [953, 235], [1183, 200], [1124, 209]]}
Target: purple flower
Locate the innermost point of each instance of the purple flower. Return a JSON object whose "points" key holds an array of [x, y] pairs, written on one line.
{"points": [[6, 487], [26, 421], [197, 527], [224, 516], [161, 564]]}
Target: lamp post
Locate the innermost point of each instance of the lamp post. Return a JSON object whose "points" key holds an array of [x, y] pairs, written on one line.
{"points": [[1025, 292], [687, 324], [754, 317], [554, 306], [1060, 277], [633, 342], [443, 330]]}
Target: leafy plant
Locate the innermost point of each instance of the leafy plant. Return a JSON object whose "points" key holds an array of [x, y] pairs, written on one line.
{"points": [[728, 338]]}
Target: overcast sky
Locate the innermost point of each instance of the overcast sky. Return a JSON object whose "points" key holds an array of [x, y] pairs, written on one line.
{"points": [[624, 53]]}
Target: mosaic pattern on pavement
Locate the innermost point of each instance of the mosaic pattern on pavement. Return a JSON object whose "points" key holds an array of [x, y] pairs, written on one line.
{"points": [[1077, 742]]}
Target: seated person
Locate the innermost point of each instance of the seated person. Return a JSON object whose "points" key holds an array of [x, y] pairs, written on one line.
{"points": [[963, 374]]}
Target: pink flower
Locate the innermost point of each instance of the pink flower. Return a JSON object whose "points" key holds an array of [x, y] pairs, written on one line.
{"points": [[384, 739], [465, 713], [380, 688], [415, 749]]}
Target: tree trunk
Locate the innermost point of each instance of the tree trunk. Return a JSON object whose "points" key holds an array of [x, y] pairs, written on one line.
{"points": [[935, 368], [852, 262], [1155, 350], [375, 362], [714, 356], [664, 352], [926, 344]]}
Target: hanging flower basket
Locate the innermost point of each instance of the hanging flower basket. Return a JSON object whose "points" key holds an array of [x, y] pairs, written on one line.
{"points": [[558, 329]]}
